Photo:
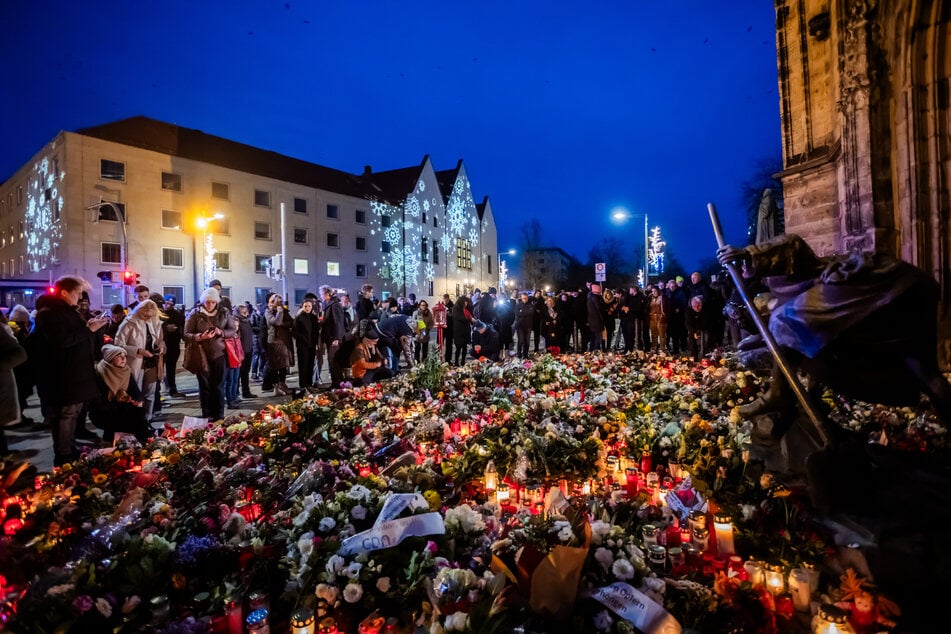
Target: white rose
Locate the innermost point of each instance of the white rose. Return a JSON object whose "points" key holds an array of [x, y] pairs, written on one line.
{"points": [[604, 556], [599, 530], [383, 584], [305, 544], [456, 621], [326, 524], [353, 592], [335, 564], [358, 512], [623, 569]]}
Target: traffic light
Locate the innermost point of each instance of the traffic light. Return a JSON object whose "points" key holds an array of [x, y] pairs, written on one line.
{"points": [[130, 278], [105, 276], [51, 290]]}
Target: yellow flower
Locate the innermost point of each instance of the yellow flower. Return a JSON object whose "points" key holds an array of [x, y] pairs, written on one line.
{"points": [[173, 458], [100, 478], [432, 498]]}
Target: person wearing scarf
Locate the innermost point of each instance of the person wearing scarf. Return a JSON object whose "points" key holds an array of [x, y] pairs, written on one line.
{"points": [[142, 336], [207, 326], [367, 364], [118, 407]]}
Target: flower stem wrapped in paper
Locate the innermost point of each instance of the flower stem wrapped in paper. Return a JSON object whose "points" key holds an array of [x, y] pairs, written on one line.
{"points": [[543, 555]]}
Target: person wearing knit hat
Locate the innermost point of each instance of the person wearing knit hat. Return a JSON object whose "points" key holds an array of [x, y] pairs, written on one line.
{"points": [[143, 338], [118, 406], [206, 328]]}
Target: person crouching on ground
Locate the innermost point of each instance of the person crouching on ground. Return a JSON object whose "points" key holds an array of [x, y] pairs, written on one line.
{"points": [[367, 364], [118, 406]]}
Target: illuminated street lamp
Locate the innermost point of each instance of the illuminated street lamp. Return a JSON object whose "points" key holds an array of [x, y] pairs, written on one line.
{"points": [[503, 270], [207, 250], [621, 215]]}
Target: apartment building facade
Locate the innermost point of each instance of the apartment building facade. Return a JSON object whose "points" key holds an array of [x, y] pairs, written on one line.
{"points": [[177, 207]]}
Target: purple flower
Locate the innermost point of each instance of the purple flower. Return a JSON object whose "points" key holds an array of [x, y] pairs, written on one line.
{"points": [[82, 603], [194, 548]]}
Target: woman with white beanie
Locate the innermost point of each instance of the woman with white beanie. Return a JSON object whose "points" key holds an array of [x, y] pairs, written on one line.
{"points": [[206, 328], [140, 334]]}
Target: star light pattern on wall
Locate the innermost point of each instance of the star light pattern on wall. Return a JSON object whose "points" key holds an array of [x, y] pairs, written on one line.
{"points": [[411, 223], [44, 208], [656, 252]]}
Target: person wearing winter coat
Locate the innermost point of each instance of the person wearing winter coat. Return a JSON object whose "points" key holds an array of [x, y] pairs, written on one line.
{"points": [[461, 327], [206, 327], [595, 318], [12, 355], [306, 337], [485, 341], [425, 315], [63, 347], [246, 334], [550, 323], [333, 330], [118, 406], [173, 326], [280, 343], [367, 363], [524, 318], [141, 335], [19, 322], [259, 346]]}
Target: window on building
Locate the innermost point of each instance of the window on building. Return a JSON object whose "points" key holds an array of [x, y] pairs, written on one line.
{"points": [[13, 236], [107, 211], [435, 252], [220, 190], [488, 264], [385, 273], [3, 269], [385, 246], [223, 260], [226, 291], [431, 288], [20, 194], [385, 221], [424, 250], [299, 294], [361, 270], [424, 218], [435, 221], [332, 211], [333, 240], [262, 198], [220, 226], [463, 254], [261, 263], [360, 215], [300, 235], [301, 266], [171, 219], [3, 206], [300, 205], [262, 231], [261, 293], [57, 210], [111, 170], [112, 295], [172, 181], [110, 253], [178, 292], [361, 243], [173, 257], [333, 269]]}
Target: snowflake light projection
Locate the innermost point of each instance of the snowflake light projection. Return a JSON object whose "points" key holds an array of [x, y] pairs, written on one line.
{"points": [[656, 252], [44, 208], [211, 264]]}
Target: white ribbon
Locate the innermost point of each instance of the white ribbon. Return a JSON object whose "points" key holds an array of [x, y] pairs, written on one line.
{"points": [[633, 605], [390, 533], [399, 502]]}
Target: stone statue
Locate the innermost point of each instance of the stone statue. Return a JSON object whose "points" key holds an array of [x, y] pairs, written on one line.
{"points": [[864, 324]]}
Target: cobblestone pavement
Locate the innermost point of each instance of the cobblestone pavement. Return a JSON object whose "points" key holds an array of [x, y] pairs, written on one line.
{"points": [[36, 441]]}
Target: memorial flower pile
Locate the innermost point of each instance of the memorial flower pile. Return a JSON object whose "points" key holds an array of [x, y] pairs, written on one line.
{"points": [[604, 492]]}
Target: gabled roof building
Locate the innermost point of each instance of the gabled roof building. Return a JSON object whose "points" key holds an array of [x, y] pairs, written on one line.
{"points": [[197, 206]]}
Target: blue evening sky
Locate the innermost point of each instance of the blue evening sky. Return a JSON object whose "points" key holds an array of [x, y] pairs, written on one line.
{"points": [[561, 110]]}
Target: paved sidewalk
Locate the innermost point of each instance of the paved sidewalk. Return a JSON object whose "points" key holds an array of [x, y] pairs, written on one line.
{"points": [[37, 440]]}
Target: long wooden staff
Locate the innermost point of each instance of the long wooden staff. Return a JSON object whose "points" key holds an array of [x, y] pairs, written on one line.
{"points": [[763, 328]]}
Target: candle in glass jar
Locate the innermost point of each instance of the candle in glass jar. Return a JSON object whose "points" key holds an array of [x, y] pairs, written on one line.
{"points": [[755, 572], [632, 475], [799, 589], [675, 470], [491, 477], [302, 621], [611, 465], [775, 582], [652, 480], [649, 533], [723, 527], [831, 620], [502, 494], [701, 538], [586, 487]]}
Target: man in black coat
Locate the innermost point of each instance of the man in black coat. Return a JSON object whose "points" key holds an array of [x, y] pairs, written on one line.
{"points": [[64, 347], [333, 329], [447, 333], [524, 317], [634, 320], [485, 341], [174, 327]]}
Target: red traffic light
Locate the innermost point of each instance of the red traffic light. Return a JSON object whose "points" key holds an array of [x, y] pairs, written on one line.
{"points": [[51, 290], [128, 276]]}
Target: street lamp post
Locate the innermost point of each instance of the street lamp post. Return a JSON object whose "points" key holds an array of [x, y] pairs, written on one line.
{"points": [[622, 215], [502, 272], [124, 243]]}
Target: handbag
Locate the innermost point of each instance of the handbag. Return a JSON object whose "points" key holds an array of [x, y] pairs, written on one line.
{"points": [[235, 352], [194, 359]]}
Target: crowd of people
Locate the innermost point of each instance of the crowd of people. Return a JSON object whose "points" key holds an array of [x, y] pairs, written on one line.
{"points": [[110, 367]]}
